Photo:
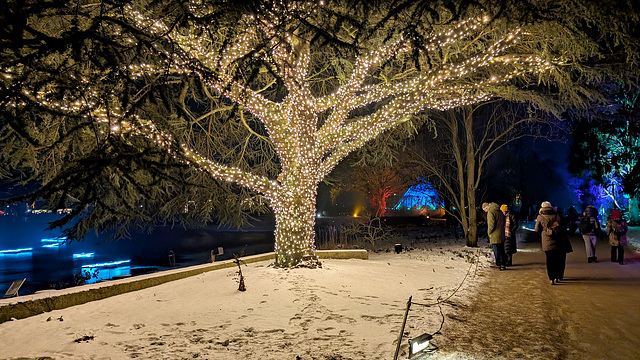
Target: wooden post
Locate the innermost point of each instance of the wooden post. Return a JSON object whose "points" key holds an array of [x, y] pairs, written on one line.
{"points": [[404, 322]]}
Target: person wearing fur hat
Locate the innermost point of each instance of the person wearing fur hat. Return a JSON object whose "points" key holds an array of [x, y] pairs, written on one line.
{"points": [[552, 246], [510, 227], [495, 230], [617, 232]]}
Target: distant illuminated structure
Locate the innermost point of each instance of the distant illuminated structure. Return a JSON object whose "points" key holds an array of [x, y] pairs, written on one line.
{"points": [[418, 197]]}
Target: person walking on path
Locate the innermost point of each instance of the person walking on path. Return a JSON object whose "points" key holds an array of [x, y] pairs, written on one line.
{"points": [[495, 230], [548, 225], [590, 229], [510, 227], [617, 232]]}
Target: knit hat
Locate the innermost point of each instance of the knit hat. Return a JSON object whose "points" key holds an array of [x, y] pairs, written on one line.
{"points": [[546, 204], [615, 214], [504, 207], [485, 206], [591, 210]]}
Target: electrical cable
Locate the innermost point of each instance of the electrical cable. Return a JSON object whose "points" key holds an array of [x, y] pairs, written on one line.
{"points": [[475, 261]]}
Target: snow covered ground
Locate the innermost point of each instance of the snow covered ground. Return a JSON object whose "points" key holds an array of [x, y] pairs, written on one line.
{"points": [[349, 309], [633, 236]]}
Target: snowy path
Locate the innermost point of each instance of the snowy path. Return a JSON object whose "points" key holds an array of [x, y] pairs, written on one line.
{"points": [[517, 314]]}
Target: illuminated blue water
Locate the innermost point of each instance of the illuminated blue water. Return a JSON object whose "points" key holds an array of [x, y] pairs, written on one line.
{"points": [[55, 264]]}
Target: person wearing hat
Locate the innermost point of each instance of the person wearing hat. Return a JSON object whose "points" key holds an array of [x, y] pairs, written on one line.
{"points": [[495, 230], [510, 227], [617, 232], [552, 245], [590, 229]]}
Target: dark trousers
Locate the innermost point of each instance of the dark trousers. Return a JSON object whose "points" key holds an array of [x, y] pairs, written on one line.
{"points": [[617, 254], [498, 252], [555, 263]]}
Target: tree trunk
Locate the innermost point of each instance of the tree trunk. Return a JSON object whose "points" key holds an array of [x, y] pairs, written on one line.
{"points": [[472, 236], [379, 202], [295, 212]]}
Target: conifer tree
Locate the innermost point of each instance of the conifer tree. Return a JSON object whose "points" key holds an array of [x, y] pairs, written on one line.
{"points": [[146, 109]]}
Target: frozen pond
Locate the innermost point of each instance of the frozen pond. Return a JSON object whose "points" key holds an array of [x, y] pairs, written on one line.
{"points": [[28, 251]]}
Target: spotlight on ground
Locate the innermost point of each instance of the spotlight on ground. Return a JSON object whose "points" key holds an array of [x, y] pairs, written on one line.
{"points": [[418, 345]]}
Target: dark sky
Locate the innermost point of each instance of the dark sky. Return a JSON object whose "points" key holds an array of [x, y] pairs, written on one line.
{"points": [[535, 168]]}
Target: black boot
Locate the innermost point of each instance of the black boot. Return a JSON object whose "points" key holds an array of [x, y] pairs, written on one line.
{"points": [[621, 255], [590, 259]]}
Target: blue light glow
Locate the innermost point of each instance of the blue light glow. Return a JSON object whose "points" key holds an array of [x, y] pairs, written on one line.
{"points": [[418, 197], [95, 275], [83, 255], [54, 245], [15, 251], [107, 264], [59, 240]]}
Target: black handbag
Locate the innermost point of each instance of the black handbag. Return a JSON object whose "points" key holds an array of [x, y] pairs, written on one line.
{"points": [[567, 245]]}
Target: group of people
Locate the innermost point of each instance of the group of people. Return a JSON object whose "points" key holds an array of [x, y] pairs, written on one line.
{"points": [[502, 226], [556, 244], [616, 232]]}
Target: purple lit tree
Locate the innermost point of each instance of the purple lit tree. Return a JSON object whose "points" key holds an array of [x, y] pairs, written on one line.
{"points": [[605, 153]]}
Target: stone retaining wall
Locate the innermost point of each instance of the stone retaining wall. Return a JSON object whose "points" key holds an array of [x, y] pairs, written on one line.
{"points": [[29, 305]]}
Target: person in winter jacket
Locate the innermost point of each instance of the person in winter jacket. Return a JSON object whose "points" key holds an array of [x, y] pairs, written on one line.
{"points": [[552, 245], [617, 232], [510, 227], [590, 229], [495, 230]]}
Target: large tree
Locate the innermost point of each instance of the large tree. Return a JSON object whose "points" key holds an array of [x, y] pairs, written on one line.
{"points": [[133, 109]]}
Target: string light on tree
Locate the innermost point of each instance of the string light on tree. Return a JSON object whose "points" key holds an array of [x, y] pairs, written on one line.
{"points": [[308, 148]]}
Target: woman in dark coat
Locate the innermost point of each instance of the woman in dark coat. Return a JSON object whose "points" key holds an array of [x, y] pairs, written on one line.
{"points": [[552, 245], [510, 227]]}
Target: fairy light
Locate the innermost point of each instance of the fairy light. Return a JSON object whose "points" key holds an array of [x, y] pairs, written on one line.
{"points": [[307, 151]]}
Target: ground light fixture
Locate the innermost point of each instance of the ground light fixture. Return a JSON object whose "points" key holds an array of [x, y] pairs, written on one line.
{"points": [[418, 345]]}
